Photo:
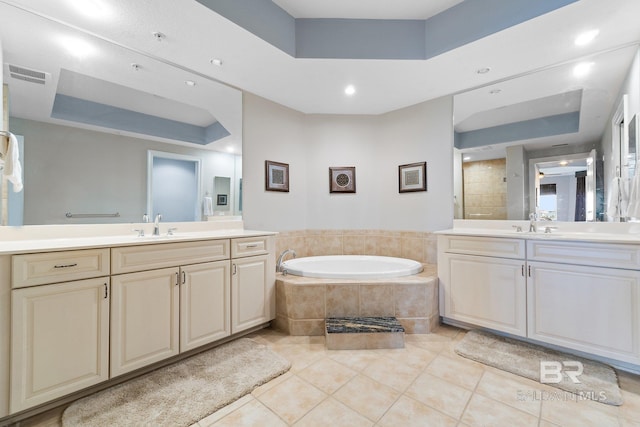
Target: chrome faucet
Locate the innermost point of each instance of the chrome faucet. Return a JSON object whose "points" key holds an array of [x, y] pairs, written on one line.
{"points": [[281, 257], [156, 225], [533, 227]]}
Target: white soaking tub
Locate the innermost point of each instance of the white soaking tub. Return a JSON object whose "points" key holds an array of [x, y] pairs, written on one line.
{"points": [[351, 267]]}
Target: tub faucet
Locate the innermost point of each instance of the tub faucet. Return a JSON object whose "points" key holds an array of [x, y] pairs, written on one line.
{"points": [[533, 227], [156, 225], [281, 258]]}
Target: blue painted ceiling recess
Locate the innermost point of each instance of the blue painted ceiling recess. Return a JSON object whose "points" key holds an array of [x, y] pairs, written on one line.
{"points": [[73, 105], [97, 114], [566, 120], [559, 124], [380, 38]]}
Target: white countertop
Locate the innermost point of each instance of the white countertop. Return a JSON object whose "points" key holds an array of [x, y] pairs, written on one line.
{"points": [[626, 233], [15, 240]]}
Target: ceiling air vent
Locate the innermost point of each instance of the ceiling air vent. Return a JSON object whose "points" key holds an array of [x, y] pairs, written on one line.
{"points": [[28, 75]]}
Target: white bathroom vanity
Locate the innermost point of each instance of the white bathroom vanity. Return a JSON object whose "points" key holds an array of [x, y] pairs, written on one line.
{"points": [[84, 311], [576, 288]]}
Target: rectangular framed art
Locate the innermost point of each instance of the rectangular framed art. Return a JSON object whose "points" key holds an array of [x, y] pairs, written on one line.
{"points": [[221, 200], [342, 179], [276, 176], [412, 177]]}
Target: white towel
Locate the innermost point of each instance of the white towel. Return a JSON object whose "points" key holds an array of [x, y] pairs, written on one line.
{"points": [[12, 169], [617, 200], [633, 210], [207, 206]]}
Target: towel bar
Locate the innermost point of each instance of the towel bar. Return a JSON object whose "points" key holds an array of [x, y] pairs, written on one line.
{"points": [[72, 215]]}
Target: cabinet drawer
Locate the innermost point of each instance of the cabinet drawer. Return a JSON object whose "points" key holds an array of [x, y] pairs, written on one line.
{"points": [[585, 253], [483, 246], [64, 266], [249, 246], [147, 257]]}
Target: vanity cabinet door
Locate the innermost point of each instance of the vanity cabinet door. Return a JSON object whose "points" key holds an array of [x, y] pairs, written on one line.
{"points": [[485, 291], [205, 302], [144, 318], [250, 292], [59, 340], [591, 309]]}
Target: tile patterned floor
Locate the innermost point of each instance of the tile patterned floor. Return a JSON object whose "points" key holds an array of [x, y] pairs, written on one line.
{"points": [[424, 384]]}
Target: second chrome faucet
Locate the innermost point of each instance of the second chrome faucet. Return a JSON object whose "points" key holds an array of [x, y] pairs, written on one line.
{"points": [[156, 225]]}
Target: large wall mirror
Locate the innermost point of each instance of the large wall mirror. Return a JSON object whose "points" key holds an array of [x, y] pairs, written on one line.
{"points": [[89, 111], [547, 142]]}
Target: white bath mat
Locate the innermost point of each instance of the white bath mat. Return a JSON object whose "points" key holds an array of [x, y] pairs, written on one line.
{"points": [[182, 393], [596, 382]]}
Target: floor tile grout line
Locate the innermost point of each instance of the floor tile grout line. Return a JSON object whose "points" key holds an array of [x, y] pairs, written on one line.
{"points": [[473, 392], [303, 380]]}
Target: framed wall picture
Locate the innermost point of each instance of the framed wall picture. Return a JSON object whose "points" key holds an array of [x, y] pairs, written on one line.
{"points": [[342, 179], [412, 177], [276, 176], [221, 200]]}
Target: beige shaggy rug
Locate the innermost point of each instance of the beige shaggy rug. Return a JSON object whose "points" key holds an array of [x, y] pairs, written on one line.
{"points": [[184, 392], [596, 382]]}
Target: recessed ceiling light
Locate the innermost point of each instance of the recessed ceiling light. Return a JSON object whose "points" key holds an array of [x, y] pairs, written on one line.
{"points": [[230, 149], [483, 70], [135, 67], [465, 158], [216, 62], [158, 36], [190, 83], [582, 69], [495, 91], [91, 8], [77, 47], [350, 90], [586, 37], [564, 163]]}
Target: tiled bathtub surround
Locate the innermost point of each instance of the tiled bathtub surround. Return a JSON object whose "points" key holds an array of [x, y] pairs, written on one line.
{"points": [[418, 246], [302, 303]]}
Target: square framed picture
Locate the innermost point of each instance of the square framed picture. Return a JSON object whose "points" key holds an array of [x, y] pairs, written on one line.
{"points": [[412, 177], [342, 179], [276, 176], [221, 200]]}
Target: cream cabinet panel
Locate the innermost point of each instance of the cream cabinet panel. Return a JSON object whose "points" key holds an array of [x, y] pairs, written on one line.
{"points": [[585, 253], [589, 309], [484, 246], [54, 267], [59, 340], [249, 246], [136, 258], [250, 292], [144, 318], [485, 291], [205, 302]]}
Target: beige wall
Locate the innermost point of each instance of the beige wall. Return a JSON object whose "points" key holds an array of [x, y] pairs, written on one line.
{"points": [[485, 189], [375, 145]]}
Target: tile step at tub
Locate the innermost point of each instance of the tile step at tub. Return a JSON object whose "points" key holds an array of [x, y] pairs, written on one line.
{"points": [[359, 333]]}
